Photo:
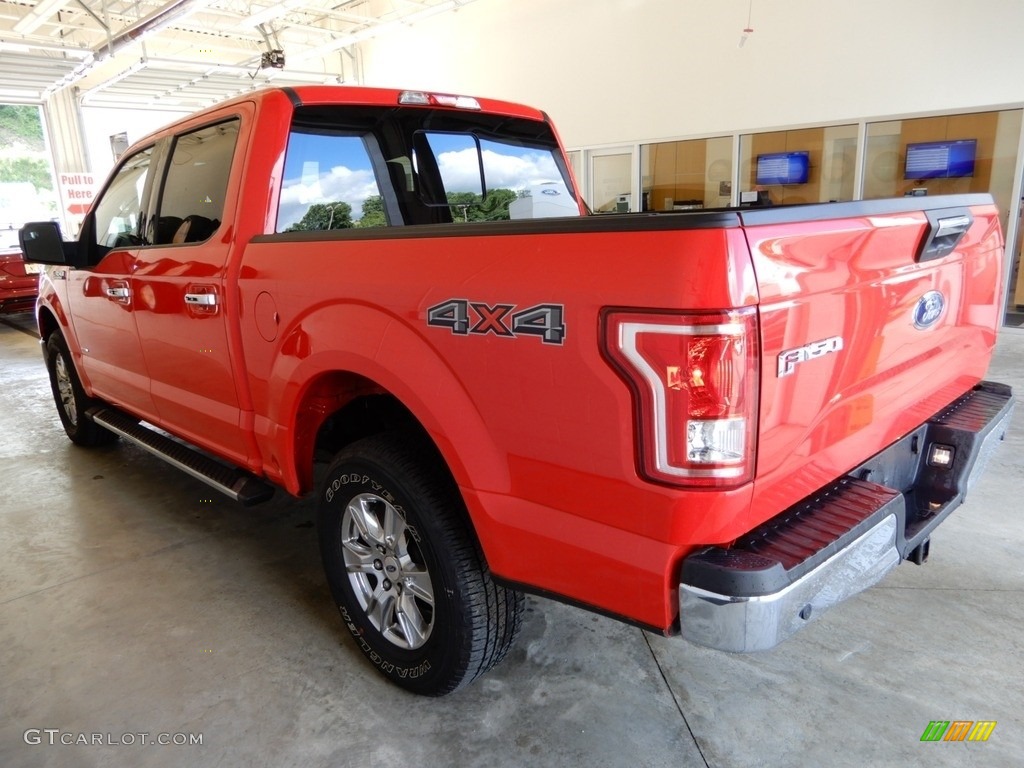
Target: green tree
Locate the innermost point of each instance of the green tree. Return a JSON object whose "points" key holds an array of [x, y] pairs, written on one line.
{"points": [[373, 213], [324, 216], [20, 124], [26, 169], [495, 206], [467, 206]]}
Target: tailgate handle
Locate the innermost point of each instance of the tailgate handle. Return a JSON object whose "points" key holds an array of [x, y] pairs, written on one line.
{"points": [[954, 225], [946, 227]]}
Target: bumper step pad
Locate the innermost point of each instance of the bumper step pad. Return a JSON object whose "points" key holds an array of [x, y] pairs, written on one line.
{"points": [[772, 556]]}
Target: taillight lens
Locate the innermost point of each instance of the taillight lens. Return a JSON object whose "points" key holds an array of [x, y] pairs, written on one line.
{"points": [[695, 383]]}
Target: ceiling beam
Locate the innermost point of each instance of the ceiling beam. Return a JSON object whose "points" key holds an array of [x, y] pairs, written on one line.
{"points": [[35, 18]]}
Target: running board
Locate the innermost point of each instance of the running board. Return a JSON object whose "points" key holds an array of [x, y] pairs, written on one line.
{"points": [[240, 486]]}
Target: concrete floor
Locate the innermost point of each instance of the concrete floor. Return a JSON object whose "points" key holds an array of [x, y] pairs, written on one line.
{"points": [[133, 600]]}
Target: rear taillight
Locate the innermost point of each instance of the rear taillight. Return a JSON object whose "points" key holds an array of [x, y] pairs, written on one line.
{"points": [[695, 383]]}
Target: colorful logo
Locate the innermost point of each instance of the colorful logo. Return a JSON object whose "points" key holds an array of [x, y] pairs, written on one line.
{"points": [[958, 730]]}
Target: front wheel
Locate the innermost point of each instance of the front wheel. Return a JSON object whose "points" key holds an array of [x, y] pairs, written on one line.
{"points": [[406, 573], [70, 397]]}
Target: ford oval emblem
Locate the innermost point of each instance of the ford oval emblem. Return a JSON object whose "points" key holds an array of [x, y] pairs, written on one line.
{"points": [[928, 310]]}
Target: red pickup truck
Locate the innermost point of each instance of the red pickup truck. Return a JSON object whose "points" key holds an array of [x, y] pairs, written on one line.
{"points": [[719, 423]]}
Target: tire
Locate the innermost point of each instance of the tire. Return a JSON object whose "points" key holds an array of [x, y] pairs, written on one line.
{"points": [[406, 573], [70, 397]]}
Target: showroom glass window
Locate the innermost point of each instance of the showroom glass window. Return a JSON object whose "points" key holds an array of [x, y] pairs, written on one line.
{"points": [[118, 211], [686, 175], [993, 138], [822, 167], [192, 202]]}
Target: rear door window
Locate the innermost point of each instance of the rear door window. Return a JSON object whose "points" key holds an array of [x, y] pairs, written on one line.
{"points": [[192, 203]]}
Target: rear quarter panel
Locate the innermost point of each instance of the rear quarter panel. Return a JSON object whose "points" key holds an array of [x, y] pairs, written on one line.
{"points": [[539, 436]]}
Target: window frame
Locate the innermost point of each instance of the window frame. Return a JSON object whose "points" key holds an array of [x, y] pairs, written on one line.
{"points": [[164, 162], [97, 250]]}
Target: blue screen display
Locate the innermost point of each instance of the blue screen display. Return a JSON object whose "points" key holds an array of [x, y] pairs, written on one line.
{"points": [[941, 159], [783, 168]]}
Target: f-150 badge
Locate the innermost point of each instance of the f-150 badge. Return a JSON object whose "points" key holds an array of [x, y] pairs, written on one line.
{"points": [[463, 317], [791, 358]]}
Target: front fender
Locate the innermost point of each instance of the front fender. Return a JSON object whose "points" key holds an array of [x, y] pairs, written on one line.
{"points": [[51, 316]]}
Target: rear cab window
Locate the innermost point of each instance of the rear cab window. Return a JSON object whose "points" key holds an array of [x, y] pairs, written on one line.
{"points": [[329, 183], [364, 167]]}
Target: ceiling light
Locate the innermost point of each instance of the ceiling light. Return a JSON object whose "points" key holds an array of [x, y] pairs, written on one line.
{"points": [[27, 46]]}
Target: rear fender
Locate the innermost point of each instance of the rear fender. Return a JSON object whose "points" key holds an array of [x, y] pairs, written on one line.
{"points": [[343, 351]]}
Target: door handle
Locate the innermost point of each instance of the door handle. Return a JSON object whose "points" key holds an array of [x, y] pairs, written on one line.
{"points": [[201, 299], [118, 293]]}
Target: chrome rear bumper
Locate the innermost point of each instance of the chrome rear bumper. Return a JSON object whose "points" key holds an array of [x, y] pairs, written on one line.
{"points": [[759, 622], [845, 538]]}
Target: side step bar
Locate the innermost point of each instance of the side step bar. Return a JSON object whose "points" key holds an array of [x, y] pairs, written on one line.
{"points": [[240, 486]]}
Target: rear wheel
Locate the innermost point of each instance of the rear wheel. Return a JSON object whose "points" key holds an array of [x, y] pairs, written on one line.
{"points": [[406, 573], [70, 397]]}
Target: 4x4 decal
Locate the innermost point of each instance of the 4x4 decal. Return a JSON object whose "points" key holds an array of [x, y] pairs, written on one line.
{"points": [[463, 317]]}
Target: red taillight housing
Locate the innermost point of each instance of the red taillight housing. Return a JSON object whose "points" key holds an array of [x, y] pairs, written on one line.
{"points": [[695, 384]]}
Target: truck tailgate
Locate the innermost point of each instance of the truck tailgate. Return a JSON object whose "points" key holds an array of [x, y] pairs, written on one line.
{"points": [[869, 327]]}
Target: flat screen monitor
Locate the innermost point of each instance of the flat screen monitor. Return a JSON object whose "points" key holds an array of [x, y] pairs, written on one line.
{"points": [[783, 168], [941, 159]]}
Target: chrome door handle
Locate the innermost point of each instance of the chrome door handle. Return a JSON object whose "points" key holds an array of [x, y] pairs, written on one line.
{"points": [[118, 293], [201, 299]]}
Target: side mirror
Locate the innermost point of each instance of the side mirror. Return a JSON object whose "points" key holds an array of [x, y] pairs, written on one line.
{"points": [[41, 243]]}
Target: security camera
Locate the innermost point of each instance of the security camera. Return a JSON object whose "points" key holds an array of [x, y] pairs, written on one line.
{"points": [[272, 59]]}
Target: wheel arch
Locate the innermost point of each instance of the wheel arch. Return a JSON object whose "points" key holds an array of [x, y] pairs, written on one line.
{"points": [[382, 373], [50, 319], [46, 322]]}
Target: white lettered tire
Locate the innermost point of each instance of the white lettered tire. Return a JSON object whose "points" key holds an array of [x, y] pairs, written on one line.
{"points": [[405, 570]]}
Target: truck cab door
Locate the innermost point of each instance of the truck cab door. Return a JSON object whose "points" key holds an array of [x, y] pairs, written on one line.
{"points": [[100, 293], [182, 308]]}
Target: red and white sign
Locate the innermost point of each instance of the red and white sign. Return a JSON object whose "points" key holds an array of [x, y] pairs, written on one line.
{"points": [[76, 192]]}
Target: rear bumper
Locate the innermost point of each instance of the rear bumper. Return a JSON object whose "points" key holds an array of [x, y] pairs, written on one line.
{"points": [[846, 537]]}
